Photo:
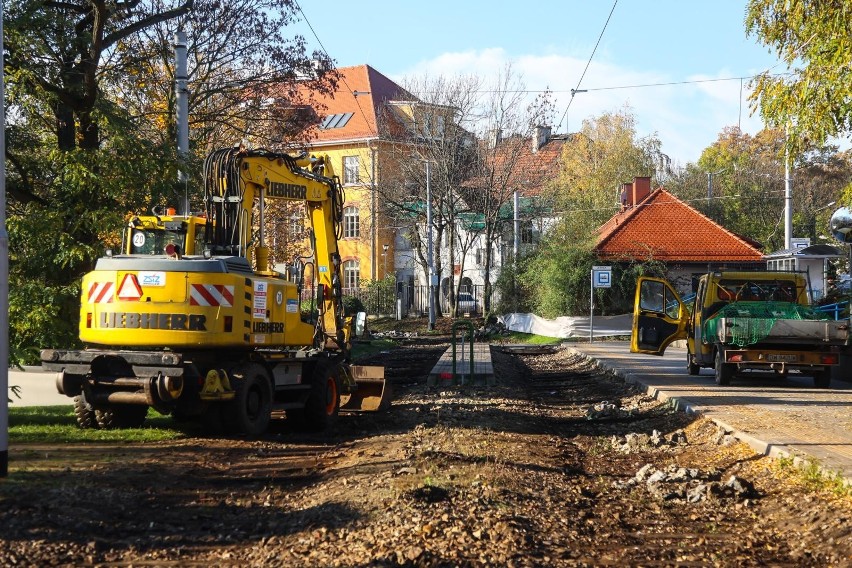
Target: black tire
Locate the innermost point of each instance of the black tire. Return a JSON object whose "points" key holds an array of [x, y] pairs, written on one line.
{"points": [[84, 413], [323, 404], [251, 410], [822, 379], [691, 367], [121, 416], [724, 371]]}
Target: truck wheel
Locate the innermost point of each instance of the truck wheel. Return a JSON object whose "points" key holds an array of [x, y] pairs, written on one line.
{"points": [[122, 416], [251, 410], [724, 371], [84, 413], [691, 367], [822, 379], [323, 404]]}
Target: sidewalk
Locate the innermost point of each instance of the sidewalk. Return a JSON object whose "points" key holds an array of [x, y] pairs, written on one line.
{"points": [[37, 388], [777, 417]]}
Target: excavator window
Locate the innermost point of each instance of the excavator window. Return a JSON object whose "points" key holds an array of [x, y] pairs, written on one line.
{"points": [[155, 241]]}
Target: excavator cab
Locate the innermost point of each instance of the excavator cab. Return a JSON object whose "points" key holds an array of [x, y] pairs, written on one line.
{"points": [[163, 232], [659, 317]]}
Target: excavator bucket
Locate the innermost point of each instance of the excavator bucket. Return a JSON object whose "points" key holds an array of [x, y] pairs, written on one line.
{"points": [[373, 392]]}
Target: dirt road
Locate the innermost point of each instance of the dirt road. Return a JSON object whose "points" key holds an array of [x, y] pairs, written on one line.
{"points": [[558, 465]]}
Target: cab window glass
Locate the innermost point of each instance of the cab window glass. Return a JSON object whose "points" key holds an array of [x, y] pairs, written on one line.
{"points": [[652, 296], [153, 242], [672, 305]]}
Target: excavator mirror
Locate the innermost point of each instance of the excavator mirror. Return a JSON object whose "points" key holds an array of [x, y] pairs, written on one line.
{"points": [[360, 323]]}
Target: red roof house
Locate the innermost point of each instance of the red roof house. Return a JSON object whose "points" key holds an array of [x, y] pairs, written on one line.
{"points": [[656, 224]]}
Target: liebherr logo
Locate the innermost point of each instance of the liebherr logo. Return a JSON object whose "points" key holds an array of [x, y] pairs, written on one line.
{"points": [[287, 190], [130, 320]]}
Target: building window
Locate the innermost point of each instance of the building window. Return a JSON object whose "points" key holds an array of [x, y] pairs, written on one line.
{"points": [[480, 257], [350, 170], [295, 227], [526, 232], [351, 229], [351, 274]]}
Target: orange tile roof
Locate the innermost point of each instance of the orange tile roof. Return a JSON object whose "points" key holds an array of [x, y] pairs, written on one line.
{"points": [[374, 90], [667, 228], [530, 171]]}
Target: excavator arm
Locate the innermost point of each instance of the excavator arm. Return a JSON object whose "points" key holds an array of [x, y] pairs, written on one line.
{"points": [[235, 179]]}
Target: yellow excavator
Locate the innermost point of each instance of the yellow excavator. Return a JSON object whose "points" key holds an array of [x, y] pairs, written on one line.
{"points": [[189, 319]]}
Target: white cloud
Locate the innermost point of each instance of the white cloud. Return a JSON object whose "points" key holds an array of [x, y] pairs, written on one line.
{"points": [[687, 117]]}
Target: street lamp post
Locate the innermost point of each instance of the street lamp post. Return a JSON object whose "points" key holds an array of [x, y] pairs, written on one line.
{"points": [[385, 259], [429, 259]]}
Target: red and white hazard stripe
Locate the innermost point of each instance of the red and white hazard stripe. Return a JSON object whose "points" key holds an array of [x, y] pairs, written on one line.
{"points": [[211, 295], [101, 293]]}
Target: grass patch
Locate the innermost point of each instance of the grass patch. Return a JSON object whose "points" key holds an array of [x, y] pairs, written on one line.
{"points": [[530, 339], [810, 474], [57, 424], [366, 348]]}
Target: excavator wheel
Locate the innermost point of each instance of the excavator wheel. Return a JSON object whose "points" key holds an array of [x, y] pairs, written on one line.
{"points": [[84, 413], [323, 404], [121, 416], [250, 411]]}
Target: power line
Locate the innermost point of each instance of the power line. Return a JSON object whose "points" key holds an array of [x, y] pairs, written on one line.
{"points": [[324, 50], [589, 62]]}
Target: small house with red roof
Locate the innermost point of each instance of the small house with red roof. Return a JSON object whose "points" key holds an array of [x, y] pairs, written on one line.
{"points": [[657, 225]]}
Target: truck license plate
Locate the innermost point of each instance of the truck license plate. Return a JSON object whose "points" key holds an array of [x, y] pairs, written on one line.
{"points": [[782, 357]]}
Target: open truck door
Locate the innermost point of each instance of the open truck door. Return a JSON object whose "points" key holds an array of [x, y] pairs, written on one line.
{"points": [[659, 317]]}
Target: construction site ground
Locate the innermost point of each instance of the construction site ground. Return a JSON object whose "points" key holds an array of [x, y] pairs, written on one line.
{"points": [[558, 463]]}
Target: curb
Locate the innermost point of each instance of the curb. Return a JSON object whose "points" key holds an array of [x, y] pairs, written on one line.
{"points": [[761, 447]]}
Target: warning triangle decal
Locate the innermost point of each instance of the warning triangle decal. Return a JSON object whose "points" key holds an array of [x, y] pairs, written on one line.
{"points": [[129, 289]]}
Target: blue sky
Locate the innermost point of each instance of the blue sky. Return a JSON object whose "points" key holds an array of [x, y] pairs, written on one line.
{"points": [[549, 44]]}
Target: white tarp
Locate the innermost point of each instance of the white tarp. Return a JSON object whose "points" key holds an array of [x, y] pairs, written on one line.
{"points": [[569, 326]]}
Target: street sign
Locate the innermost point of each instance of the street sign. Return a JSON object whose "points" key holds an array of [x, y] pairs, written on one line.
{"points": [[601, 276]]}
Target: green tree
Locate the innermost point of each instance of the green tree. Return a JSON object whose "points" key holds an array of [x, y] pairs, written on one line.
{"points": [[606, 152], [814, 39]]}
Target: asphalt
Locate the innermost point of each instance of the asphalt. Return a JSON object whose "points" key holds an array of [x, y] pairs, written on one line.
{"points": [[777, 417]]}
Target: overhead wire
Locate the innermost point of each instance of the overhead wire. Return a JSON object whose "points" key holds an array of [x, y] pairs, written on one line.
{"points": [[588, 63], [352, 91]]}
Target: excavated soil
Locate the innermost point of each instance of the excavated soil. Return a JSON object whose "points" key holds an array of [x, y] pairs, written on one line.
{"points": [[559, 464]]}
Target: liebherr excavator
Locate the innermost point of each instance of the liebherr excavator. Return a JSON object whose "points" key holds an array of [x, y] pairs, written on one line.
{"points": [[202, 327]]}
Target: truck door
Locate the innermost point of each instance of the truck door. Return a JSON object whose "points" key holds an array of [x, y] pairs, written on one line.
{"points": [[659, 317]]}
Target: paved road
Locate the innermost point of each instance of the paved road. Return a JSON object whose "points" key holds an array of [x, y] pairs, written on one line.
{"points": [[37, 388], [777, 417]]}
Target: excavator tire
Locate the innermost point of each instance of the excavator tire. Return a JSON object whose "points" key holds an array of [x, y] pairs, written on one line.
{"points": [[121, 416], [250, 411], [84, 413], [323, 404]]}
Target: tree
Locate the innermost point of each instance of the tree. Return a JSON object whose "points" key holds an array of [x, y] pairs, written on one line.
{"points": [[596, 161], [500, 172], [814, 39], [60, 50], [746, 191]]}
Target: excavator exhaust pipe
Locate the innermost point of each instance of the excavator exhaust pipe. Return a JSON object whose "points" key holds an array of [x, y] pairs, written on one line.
{"points": [[372, 394]]}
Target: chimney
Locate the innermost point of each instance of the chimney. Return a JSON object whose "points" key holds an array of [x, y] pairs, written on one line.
{"points": [[626, 197], [641, 188], [541, 135], [495, 136]]}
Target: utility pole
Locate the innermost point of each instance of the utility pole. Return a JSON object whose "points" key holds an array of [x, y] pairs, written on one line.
{"points": [[429, 257], [4, 283], [788, 201], [182, 114]]}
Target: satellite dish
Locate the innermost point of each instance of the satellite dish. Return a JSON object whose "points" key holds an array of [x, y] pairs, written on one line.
{"points": [[841, 225]]}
